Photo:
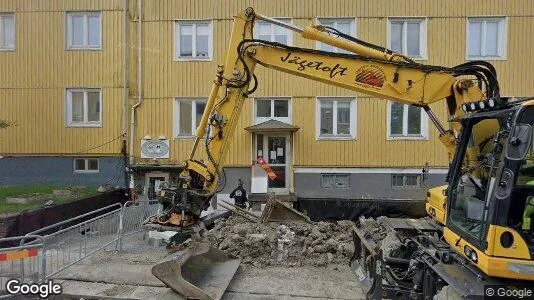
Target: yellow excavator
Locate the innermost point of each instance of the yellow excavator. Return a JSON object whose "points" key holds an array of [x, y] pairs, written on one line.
{"points": [[477, 233]]}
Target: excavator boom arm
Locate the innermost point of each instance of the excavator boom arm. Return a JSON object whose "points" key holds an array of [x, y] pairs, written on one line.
{"points": [[383, 74]]}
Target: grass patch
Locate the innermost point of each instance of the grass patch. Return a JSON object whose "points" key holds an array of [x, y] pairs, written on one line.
{"points": [[22, 191]]}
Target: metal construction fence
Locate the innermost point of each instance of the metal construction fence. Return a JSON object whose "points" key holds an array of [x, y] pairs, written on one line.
{"points": [[43, 253]]}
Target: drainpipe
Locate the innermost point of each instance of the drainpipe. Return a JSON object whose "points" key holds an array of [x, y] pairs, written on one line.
{"points": [[126, 93], [139, 95]]}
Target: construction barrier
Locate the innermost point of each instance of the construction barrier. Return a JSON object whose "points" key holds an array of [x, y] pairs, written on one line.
{"points": [[26, 262], [43, 253]]}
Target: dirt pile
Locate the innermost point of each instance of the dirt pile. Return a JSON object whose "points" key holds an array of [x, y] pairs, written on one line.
{"points": [[284, 244]]}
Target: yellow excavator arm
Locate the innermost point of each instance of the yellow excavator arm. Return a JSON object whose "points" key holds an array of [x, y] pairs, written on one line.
{"points": [[368, 69], [381, 73]]}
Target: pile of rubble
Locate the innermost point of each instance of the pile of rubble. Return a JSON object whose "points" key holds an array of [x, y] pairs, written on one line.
{"points": [[284, 244]]}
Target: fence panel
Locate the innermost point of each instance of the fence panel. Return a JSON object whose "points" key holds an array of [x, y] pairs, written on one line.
{"points": [[25, 262], [74, 239], [45, 252]]}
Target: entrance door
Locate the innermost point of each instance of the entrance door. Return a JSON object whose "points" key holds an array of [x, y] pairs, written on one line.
{"points": [[274, 148], [152, 183], [153, 186]]}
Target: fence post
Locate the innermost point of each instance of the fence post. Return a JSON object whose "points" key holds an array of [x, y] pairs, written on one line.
{"points": [[22, 275], [42, 264], [118, 244]]}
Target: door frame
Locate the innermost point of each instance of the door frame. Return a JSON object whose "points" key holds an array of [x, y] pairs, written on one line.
{"points": [[154, 174], [288, 154]]}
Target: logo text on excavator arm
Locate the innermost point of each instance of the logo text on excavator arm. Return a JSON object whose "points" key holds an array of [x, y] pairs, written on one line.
{"points": [[303, 64]]}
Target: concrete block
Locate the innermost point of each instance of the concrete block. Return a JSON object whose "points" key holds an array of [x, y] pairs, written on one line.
{"points": [[19, 200], [163, 235]]}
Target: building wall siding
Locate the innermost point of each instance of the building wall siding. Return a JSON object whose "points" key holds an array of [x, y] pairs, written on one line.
{"points": [[165, 78], [34, 76]]}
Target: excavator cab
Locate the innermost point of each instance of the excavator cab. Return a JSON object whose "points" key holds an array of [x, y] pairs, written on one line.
{"points": [[490, 192]]}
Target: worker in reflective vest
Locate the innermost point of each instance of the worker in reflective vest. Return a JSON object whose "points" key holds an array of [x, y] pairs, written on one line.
{"points": [[240, 195]]}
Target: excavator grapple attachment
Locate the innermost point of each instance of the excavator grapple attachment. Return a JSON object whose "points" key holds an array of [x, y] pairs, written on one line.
{"points": [[199, 272]]}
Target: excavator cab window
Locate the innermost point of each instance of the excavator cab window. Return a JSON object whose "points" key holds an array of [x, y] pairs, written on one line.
{"points": [[521, 215], [472, 187]]}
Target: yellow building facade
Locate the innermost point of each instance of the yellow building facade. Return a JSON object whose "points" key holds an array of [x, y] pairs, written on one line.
{"points": [[92, 80]]}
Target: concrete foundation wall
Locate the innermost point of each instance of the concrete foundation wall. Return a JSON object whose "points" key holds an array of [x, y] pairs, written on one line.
{"points": [[368, 186], [59, 170], [308, 185]]}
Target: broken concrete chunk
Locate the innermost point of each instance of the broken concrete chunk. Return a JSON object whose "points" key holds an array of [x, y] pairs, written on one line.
{"points": [[164, 235], [324, 227], [315, 233], [257, 237], [240, 229], [282, 243], [320, 248], [331, 244], [330, 257]]}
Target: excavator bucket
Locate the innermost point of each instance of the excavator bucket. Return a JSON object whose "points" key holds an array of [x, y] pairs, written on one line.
{"points": [[199, 272], [277, 211]]}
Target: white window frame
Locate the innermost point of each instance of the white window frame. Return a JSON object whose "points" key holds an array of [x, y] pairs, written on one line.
{"points": [[422, 32], [68, 108], [68, 31], [86, 169], [176, 116], [405, 135], [2, 32], [177, 24], [259, 120], [289, 32], [353, 29], [404, 180], [502, 39], [353, 118]]}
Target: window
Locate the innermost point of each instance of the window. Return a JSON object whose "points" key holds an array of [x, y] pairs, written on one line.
{"points": [[406, 122], [84, 108], [405, 180], [86, 165], [486, 38], [335, 181], [274, 33], [193, 40], [336, 118], [408, 36], [345, 25], [187, 115], [7, 31], [267, 109], [84, 30]]}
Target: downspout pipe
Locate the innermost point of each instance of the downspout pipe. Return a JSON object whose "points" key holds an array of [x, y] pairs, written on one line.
{"points": [[139, 93], [126, 93]]}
